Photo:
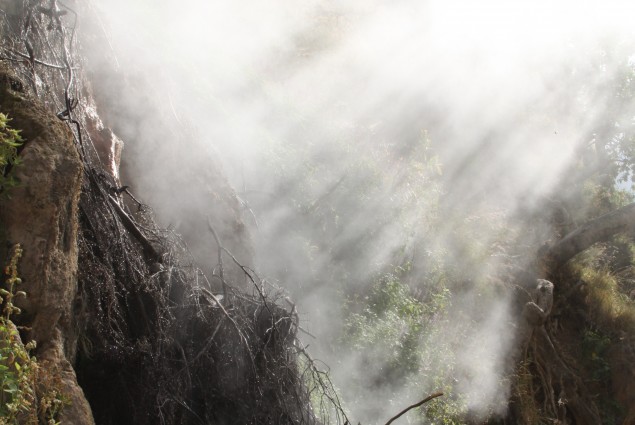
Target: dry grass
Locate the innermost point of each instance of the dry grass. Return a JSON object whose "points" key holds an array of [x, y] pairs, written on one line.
{"points": [[608, 306]]}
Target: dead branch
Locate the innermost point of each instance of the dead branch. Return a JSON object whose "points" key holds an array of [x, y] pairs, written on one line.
{"points": [[248, 272], [208, 346], [220, 256], [134, 230], [28, 58], [323, 381], [140, 205], [425, 400]]}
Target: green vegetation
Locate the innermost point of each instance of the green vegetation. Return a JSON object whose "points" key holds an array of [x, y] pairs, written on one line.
{"points": [[399, 340], [17, 367], [595, 346], [606, 330], [10, 141], [28, 392], [388, 328]]}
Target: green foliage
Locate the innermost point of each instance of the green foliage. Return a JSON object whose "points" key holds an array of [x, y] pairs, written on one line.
{"points": [[390, 322], [602, 199], [20, 373], [17, 368], [10, 141], [442, 412], [398, 339], [595, 346]]}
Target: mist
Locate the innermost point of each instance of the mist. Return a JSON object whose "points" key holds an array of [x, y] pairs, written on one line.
{"points": [[364, 135]]}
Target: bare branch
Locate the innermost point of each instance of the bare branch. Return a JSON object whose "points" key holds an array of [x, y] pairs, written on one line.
{"points": [[425, 400], [220, 256], [129, 223], [28, 58]]}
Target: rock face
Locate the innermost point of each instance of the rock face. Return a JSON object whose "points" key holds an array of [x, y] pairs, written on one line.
{"points": [[108, 146], [41, 215]]}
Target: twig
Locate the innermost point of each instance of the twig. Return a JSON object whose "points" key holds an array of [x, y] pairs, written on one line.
{"points": [[209, 343], [27, 57], [140, 205], [323, 380], [246, 271], [231, 319], [220, 256], [300, 328], [294, 312], [425, 400], [132, 228]]}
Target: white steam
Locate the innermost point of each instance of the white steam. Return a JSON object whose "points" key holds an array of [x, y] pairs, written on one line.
{"points": [[506, 92]]}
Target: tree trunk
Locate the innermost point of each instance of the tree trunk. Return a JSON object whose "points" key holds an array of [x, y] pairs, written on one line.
{"points": [[593, 231]]}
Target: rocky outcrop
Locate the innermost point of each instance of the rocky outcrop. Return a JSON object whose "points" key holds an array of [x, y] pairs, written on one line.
{"points": [[41, 215], [108, 146]]}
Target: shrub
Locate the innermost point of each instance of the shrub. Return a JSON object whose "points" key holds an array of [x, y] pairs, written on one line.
{"points": [[10, 141], [20, 374], [17, 368]]}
